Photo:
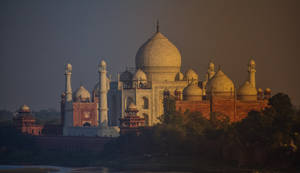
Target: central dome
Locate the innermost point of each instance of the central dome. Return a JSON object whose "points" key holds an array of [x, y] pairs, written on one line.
{"points": [[159, 58]]}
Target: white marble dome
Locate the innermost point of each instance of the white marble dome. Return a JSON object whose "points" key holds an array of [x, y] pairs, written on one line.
{"points": [[140, 76], [82, 94], [247, 89], [220, 83], [192, 92], [191, 75], [159, 58]]}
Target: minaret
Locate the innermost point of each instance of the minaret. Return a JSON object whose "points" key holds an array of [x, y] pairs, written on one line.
{"points": [[103, 119], [68, 105], [251, 70], [68, 88], [211, 70]]}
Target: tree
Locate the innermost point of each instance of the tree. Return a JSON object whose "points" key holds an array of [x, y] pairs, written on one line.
{"points": [[195, 124]]}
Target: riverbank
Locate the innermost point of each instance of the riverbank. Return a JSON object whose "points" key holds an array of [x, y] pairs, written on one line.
{"points": [[29, 170]]}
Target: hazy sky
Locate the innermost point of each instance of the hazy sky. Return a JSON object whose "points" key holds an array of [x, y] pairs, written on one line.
{"points": [[37, 38]]}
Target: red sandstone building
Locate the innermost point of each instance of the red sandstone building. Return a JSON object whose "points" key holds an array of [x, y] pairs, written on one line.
{"points": [[234, 105], [25, 123], [85, 110], [131, 123]]}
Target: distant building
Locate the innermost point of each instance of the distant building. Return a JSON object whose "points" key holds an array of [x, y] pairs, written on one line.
{"points": [[25, 122]]}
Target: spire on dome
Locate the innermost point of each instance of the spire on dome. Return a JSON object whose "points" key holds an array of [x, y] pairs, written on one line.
{"points": [[157, 26]]}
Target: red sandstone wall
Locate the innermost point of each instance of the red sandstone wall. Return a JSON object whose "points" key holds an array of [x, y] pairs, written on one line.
{"points": [[32, 130], [79, 111], [194, 106], [223, 106]]}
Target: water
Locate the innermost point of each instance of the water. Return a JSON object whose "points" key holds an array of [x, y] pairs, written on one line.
{"points": [[77, 170]]}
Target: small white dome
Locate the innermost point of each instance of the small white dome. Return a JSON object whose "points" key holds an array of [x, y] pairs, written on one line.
{"points": [[247, 90], [268, 90], [68, 67], [81, 94], [103, 63], [140, 76], [191, 75], [132, 106], [192, 92], [24, 108], [220, 83], [252, 62]]}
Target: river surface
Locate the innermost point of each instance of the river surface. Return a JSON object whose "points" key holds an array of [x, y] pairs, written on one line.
{"points": [[78, 170]]}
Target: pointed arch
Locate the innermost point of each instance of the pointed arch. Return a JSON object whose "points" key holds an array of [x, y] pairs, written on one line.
{"points": [[145, 102], [128, 101]]}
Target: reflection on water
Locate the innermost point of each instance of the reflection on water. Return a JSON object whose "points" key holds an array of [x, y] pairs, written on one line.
{"points": [[77, 170]]}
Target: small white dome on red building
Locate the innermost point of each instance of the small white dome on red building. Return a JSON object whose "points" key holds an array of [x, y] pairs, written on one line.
{"points": [[24, 108], [81, 94]]}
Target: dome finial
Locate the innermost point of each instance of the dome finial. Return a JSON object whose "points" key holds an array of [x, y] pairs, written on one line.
{"points": [[157, 25]]}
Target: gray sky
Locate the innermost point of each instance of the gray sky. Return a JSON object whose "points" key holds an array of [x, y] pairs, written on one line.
{"points": [[37, 38]]}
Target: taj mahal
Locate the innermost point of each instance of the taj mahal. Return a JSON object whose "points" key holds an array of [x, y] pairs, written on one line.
{"points": [[157, 74]]}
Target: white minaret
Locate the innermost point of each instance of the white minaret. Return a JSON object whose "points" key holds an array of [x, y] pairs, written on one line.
{"points": [[68, 110], [68, 88], [103, 119], [251, 70], [211, 70]]}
